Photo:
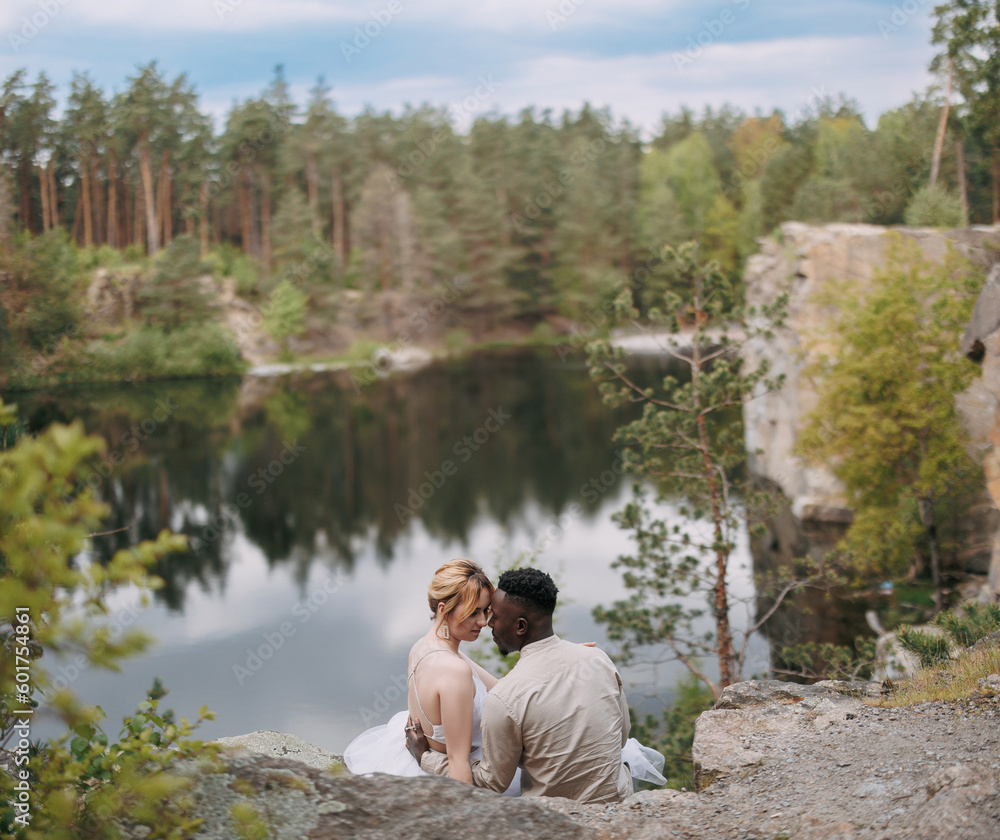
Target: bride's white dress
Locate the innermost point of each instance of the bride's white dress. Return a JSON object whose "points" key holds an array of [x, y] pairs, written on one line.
{"points": [[382, 749]]}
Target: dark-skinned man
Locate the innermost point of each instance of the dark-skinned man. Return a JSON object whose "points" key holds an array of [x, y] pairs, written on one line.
{"points": [[560, 714]]}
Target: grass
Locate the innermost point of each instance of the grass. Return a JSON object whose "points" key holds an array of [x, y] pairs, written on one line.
{"points": [[955, 679]]}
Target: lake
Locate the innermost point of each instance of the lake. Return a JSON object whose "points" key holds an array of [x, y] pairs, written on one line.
{"points": [[318, 512]]}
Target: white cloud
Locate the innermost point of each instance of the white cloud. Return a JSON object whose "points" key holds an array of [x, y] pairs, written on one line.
{"points": [[244, 15], [786, 74]]}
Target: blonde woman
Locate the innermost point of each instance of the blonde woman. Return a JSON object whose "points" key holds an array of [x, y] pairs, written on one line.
{"points": [[446, 689]]}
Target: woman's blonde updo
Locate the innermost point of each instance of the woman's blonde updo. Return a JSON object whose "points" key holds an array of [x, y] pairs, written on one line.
{"points": [[458, 585]]}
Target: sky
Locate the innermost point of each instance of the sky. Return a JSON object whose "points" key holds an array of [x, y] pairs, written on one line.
{"points": [[638, 58]]}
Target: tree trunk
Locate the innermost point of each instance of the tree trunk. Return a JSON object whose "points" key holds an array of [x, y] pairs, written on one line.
{"points": [[926, 505], [112, 200], [963, 194], [246, 222], [53, 194], [312, 183], [25, 210], [339, 243], [203, 217], [97, 204], [141, 213], [149, 197], [88, 217], [75, 230], [723, 632], [163, 200], [44, 192], [265, 217], [942, 126]]}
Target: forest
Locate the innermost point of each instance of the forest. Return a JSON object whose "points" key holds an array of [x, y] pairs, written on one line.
{"points": [[325, 219]]}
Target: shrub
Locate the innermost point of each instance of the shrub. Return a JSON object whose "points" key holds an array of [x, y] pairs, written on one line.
{"points": [[175, 294], [152, 353], [934, 208], [38, 282], [87, 788], [457, 340], [930, 650], [976, 621]]}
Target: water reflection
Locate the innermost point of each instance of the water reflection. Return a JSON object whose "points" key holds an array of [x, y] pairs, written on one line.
{"points": [[317, 515]]}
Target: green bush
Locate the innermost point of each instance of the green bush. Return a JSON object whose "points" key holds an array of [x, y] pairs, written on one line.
{"points": [[134, 253], [929, 650], [39, 282], [229, 261], [106, 256], [934, 208], [457, 340], [78, 785], [975, 622], [542, 334], [174, 294], [204, 349]]}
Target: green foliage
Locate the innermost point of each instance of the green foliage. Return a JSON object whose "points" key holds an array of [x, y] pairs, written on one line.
{"points": [[934, 208], [228, 261], [828, 661], [154, 353], [40, 286], [176, 294], [457, 340], [673, 733], [689, 444], [86, 787], [886, 420], [970, 624], [286, 316], [930, 650]]}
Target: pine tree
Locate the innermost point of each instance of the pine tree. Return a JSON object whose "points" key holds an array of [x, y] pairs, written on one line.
{"points": [[689, 444]]}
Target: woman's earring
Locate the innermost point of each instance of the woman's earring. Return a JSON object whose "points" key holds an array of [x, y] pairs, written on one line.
{"points": [[446, 635]]}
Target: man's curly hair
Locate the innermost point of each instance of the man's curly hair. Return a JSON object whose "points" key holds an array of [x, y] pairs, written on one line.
{"points": [[529, 588]]}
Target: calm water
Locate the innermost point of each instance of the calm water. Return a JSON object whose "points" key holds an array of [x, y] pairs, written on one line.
{"points": [[318, 515]]}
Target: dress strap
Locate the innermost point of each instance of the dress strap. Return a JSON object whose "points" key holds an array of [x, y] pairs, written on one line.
{"points": [[413, 674]]}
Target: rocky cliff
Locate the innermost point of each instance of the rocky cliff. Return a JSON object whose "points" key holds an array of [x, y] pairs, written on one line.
{"points": [[778, 761], [807, 262]]}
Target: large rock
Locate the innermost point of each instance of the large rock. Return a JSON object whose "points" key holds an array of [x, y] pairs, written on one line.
{"points": [[734, 735], [293, 801], [980, 410], [814, 264]]}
